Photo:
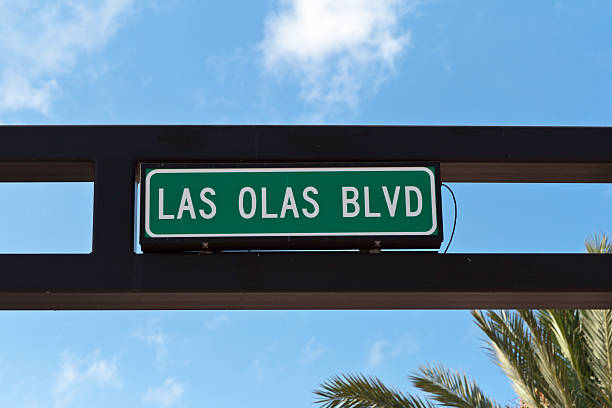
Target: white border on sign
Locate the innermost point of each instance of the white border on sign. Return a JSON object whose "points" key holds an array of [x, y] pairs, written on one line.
{"points": [[291, 170]]}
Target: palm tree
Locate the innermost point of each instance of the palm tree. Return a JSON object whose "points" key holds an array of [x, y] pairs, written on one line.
{"points": [[553, 358], [598, 244]]}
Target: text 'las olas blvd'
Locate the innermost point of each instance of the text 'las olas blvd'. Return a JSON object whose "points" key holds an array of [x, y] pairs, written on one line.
{"points": [[251, 202], [290, 202]]}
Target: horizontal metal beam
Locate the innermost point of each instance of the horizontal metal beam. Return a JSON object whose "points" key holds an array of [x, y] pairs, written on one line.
{"points": [[305, 280], [467, 153], [481, 144], [45, 171], [450, 172], [526, 172], [304, 300]]}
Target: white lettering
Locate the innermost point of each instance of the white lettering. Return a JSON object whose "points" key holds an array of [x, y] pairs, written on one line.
{"points": [[289, 204], [163, 216], [244, 214], [186, 204], [366, 197], [410, 213], [346, 201], [311, 201], [264, 209], [206, 200], [391, 204]]}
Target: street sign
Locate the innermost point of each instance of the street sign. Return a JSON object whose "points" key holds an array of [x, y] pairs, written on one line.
{"points": [[206, 207]]}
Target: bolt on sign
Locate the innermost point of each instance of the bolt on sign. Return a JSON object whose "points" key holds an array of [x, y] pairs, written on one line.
{"points": [[206, 207]]}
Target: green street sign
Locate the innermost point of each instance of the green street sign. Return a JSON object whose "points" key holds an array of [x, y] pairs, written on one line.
{"points": [[196, 207]]}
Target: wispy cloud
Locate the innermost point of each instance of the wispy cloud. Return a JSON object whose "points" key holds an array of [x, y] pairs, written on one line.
{"points": [[40, 41], [405, 345], [155, 337], [76, 374], [382, 350], [312, 351], [376, 355], [167, 394], [216, 321], [258, 367], [263, 363], [339, 50]]}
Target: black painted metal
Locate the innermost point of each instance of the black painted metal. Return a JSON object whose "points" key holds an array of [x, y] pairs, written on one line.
{"points": [[306, 271], [308, 143], [113, 269]]}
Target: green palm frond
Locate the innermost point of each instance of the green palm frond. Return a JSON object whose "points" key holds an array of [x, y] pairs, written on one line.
{"points": [[451, 388], [566, 329], [555, 379], [568, 338], [597, 327], [555, 374], [359, 391], [510, 346], [598, 244], [554, 359]]}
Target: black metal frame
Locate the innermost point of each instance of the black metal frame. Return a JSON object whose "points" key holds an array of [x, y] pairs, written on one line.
{"points": [[303, 242], [114, 277]]}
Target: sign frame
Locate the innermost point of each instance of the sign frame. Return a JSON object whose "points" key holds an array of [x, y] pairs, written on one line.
{"points": [[354, 241], [114, 276]]}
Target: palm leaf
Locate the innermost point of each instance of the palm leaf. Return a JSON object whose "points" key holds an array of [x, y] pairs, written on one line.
{"points": [[598, 244], [566, 327], [359, 391], [597, 327], [510, 346], [553, 369], [451, 388]]}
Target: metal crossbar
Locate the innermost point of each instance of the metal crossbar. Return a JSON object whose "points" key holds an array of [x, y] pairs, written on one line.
{"points": [[114, 277]]}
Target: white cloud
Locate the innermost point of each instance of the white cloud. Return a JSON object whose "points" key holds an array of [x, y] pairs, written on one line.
{"points": [[380, 350], [376, 354], [216, 321], [258, 366], [17, 92], [155, 337], [170, 392], [312, 351], [338, 49], [76, 374], [40, 41], [406, 345]]}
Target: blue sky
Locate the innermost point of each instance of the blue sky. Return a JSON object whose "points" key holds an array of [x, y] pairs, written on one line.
{"points": [[285, 62]]}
